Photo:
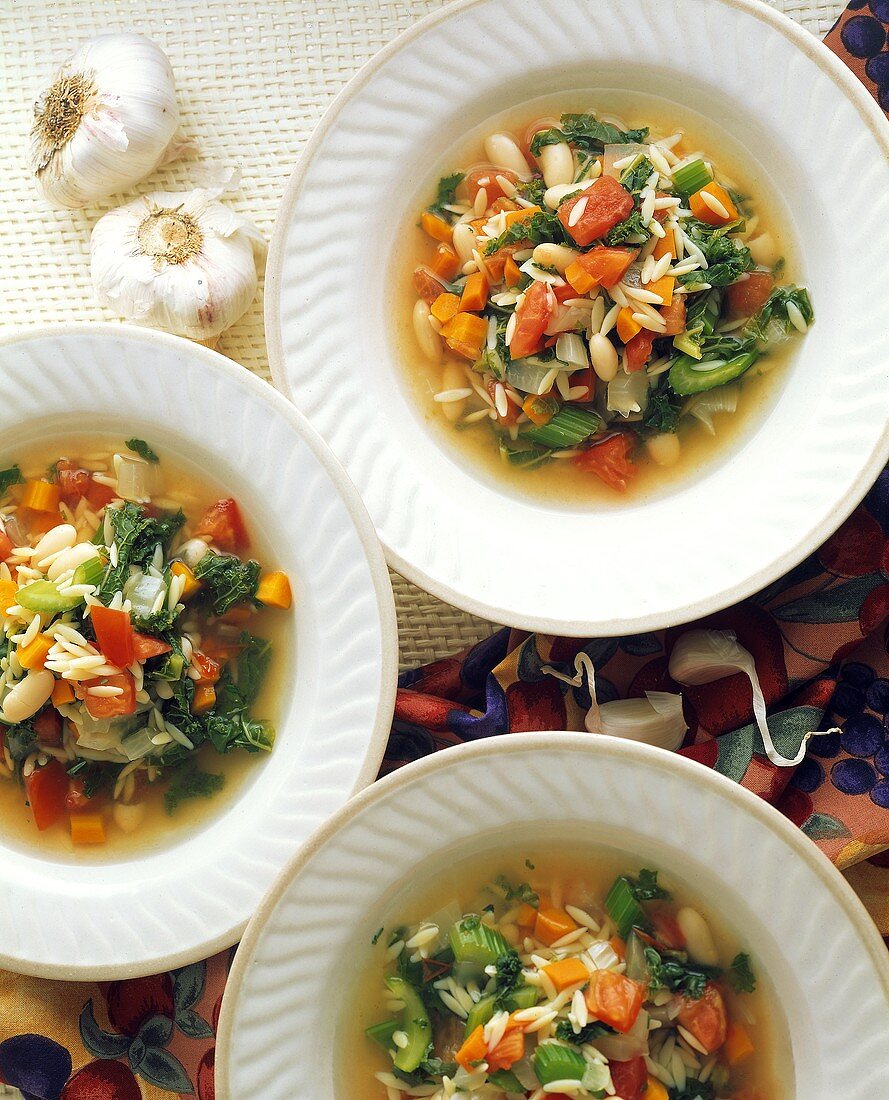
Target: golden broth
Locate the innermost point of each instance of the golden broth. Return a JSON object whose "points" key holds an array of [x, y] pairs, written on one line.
{"points": [[579, 873], [474, 446], [186, 484]]}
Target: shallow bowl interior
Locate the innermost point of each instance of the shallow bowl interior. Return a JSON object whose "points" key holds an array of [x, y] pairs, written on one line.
{"points": [[191, 892], [809, 133]]}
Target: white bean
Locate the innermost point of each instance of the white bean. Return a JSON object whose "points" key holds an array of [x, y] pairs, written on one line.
{"points": [[604, 356], [464, 241], [429, 341], [698, 937], [553, 196], [28, 696], [664, 448], [191, 552], [56, 539], [70, 559], [128, 816], [504, 152], [557, 163], [453, 378], [559, 256]]}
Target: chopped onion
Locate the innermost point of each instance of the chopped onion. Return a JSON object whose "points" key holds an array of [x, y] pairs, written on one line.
{"points": [[135, 478], [704, 406], [142, 591], [570, 348], [621, 1048], [628, 393], [136, 745], [702, 656]]}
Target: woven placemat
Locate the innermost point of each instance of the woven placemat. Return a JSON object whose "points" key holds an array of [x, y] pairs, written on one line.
{"points": [[253, 79]]}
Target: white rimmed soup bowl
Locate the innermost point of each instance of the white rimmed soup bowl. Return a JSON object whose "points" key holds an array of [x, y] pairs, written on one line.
{"points": [[190, 893]]}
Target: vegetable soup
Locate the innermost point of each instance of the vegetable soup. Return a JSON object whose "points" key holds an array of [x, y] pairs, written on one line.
{"points": [[135, 645], [559, 976], [597, 301]]}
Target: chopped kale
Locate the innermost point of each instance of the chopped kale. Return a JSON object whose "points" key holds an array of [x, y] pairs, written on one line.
{"points": [[95, 777], [586, 133], [446, 194], [630, 229], [587, 1034], [20, 740], [693, 1090], [740, 974], [772, 319], [635, 177], [157, 623], [191, 783], [141, 448], [136, 535], [543, 225], [9, 477], [508, 974], [228, 579], [662, 413], [522, 892], [645, 886], [678, 975]]}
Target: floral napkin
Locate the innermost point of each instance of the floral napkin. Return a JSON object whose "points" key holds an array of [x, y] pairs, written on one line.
{"points": [[819, 640]]}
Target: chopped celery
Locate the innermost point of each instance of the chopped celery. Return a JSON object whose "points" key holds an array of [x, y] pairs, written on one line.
{"points": [[557, 1062], [568, 428], [691, 177], [480, 1013], [172, 668], [686, 343], [382, 1033], [686, 377], [45, 598], [414, 1023], [90, 571], [595, 1078], [525, 457], [505, 1079], [473, 942], [524, 997], [623, 908]]}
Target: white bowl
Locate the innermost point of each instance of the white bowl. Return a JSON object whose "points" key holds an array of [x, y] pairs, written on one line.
{"points": [[810, 128], [193, 893], [804, 926]]}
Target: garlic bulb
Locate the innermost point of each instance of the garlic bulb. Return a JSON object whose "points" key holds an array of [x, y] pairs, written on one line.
{"points": [[108, 119], [184, 262]]}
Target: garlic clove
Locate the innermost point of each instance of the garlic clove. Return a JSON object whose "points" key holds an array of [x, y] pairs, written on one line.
{"points": [[108, 118]]}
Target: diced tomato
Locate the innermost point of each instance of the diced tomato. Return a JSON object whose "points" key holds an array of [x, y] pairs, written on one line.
{"points": [[532, 318], [77, 798], [487, 178], [426, 285], [512, 410], [145, 647], [587, 379], [6, 545], [509, 1050], [73, 481], [48, 726], [614, 999], [108, 706], [223, 524], [610, 461], [607, 266], [750, 294], [705, 1018], [630, 1078], [46, 789], [114, 634], [674, 315], [638, 350], [606, 204], [564, 292], [209, 668], [99, 495]]}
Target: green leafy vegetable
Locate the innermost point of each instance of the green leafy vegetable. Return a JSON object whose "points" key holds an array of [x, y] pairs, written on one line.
{"points": [[772, 321], [9, 477], [522, 892], [740, 974], [585, 132], [445, 196], [542, 226], [678, 975], [645, 887], [693, 1090], [662, 412], [727, 258], [587, 1034], [20, 740], [508, 974], [635, 177], [228, 579], [136, 535], [157, 623], [252, 665], [95, 777], [630, 229], [532, 190], [189, 783], [141, 448]]}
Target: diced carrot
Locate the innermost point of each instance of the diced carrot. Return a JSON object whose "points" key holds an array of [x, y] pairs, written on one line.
{"points": [[539, 410], [426, 285], [526, 916], [41, 496], [522, 215], [619, 947], [436, 227], [87, 828], [8, 590], [566, 972], [600, 266], [511, 274], [475, 293], [445, 263], [663, 287], [204, 699], [552, 924], [705, 213], [465, 334], [655, 1090], [444, 307], [605, 204], [274, 590], [33, 655], [738, 1045], [614, 999], [62, 693], [666, 245], [192, 584], [674, 315], [627, 325], [509, 1050], [746, 297], [473, 1050]]}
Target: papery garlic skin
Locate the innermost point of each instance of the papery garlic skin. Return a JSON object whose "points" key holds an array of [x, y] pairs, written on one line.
{"points": [[182, 262], [108, 119]]}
